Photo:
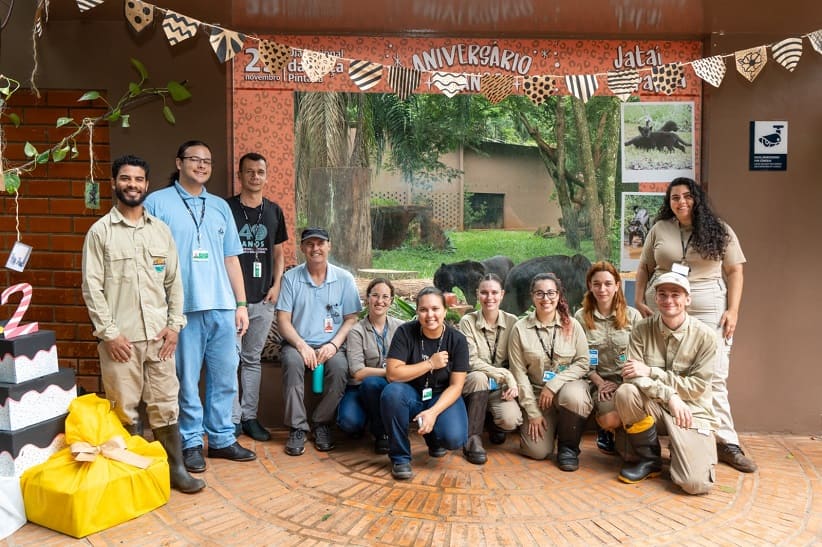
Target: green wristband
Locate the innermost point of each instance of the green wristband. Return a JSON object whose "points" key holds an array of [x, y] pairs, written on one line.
{"points": [[242, 304]]}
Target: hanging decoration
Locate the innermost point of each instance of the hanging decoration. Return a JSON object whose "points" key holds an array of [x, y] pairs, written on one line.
{"points": [[666, 77], [41, 17], [711, 69], [403, 80], [178, 27], [750, 62], [86, 5], [274, 55], [815, 39], [317, 64], [450, 84], [581, 86], [139, 14], [226, 43], [92, 191], [787, 52], [623, 83], [496, 87], [364, 74], [539, 88]]}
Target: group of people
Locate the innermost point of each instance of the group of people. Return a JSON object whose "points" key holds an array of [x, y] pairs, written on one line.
{"points": [[182, 283]]}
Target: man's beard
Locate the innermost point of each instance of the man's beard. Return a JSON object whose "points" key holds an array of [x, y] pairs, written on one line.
{"points": [[121, 197]]}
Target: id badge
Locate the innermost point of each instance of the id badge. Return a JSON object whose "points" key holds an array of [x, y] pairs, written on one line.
{"points": [[593, 357], [680, 268], [257, 269], [548, 375], [328, 324], [427, 393], [199, 255]]}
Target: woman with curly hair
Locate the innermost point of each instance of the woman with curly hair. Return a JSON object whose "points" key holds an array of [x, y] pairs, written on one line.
{"points": [[689, 239], [548, 354], [607, 320]]}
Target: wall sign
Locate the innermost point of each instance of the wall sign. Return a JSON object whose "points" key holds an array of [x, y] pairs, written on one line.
{"points": [[769, 146]]}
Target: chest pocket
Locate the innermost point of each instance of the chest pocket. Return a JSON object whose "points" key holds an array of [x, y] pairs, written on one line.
{"points": [[158, 261], [120, 266]]}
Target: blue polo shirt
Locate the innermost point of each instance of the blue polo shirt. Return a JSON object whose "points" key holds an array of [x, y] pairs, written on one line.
{"points": [[205, 281], [310, 304]]}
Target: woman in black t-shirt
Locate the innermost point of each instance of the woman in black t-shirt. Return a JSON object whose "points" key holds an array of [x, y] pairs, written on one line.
{"points": [[427, 364]]}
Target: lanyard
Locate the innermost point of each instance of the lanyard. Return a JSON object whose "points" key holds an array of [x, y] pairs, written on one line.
{"points": [[381, 339], [190, 212], [253, 229], [425, 356], [553, 339], [684, 243], [496, 340]]}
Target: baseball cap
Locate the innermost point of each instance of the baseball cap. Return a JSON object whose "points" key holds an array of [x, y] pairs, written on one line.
{"points": [[671, 278], [319, 233]]}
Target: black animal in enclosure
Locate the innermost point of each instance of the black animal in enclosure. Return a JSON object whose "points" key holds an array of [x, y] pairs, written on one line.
{"points": [[467, 274], [664, 140], [571, 271]]}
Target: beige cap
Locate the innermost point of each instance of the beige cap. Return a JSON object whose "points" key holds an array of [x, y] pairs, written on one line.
{"points": [[671, 278]]}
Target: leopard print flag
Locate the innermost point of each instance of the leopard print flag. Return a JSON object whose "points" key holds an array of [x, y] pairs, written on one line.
{"points": [[815, 38], [403, 80], [749, 62], [139, 14], [539, 88], [787, 52], [317, 64], [496, 87], [275, 56], [666, 77], [623, 83], [711, 69]]}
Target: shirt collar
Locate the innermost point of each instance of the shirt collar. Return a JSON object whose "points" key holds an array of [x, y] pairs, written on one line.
{"points": [[186, 195], [600, 316], [117, 217], [330, 275], [482, 324], [532, 321], [679, 333]]}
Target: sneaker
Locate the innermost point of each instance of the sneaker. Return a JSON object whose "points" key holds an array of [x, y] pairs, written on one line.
{"points": [[401, 471], [322, 438], [295, 446], [381, 444], [605, 442], [735, 457], [255, 430]]}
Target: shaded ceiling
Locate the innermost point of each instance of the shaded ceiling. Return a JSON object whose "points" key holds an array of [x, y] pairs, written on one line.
{"points": [[674, 19]]}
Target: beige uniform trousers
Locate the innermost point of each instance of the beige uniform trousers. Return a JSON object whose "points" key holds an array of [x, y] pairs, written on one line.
{"points": [[507, 415], [693, 452], [574, 396], [144, 377]]}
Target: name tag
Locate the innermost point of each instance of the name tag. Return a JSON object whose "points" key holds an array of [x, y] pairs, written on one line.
{"points": [[328, 324], [548, 375], [257, 269], [681, 269], [427, 394], [593, 357], [199, 255]]}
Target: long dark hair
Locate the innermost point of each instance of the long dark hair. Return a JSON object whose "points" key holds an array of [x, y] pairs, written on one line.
{"points": [[562, 302], [589, 301], [181, 152], [710, 237]]}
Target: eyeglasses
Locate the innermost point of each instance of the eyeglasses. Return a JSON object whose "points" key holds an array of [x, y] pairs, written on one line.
{"points": [[542, 295], [198, 160], [375, 296]]}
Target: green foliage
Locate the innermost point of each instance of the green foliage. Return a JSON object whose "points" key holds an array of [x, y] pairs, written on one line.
{"points": [[470, 214], [11, 181], [383, 202]]}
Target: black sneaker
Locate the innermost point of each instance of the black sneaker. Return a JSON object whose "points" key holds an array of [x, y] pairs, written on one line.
{"points": [[193, 459], [295, 446], [255, 430], [401, 471], [322, 438], [381, 444], [605, 442]]}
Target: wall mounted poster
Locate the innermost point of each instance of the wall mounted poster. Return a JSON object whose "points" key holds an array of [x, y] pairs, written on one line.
{"points": [[658, 141], [638, 212]]}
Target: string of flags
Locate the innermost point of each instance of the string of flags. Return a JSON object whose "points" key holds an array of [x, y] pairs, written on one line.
{"points": [[495, 87]]}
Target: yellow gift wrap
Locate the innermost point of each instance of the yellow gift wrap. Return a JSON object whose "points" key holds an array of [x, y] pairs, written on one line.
{"points": [[96, 482]]}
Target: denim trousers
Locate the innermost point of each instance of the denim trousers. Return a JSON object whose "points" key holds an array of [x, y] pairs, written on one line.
{"points": [[401, 402], [360, 406]]}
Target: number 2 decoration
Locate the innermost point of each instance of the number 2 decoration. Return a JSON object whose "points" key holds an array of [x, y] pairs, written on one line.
{"points": [[13, 327]]}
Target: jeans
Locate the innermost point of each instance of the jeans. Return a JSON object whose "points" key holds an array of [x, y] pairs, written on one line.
{"points": [[260, 318], [209, 339], [400, 403], [361, 405]]}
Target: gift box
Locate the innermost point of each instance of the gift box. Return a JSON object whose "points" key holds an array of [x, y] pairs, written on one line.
{"points": [[98, 481], [12, 512]]}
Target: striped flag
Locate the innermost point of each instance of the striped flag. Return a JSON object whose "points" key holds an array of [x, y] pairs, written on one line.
{"points": [[366, 75], [86, 5], [581, 86], [787, 52], [403, 80], [623, 83]]}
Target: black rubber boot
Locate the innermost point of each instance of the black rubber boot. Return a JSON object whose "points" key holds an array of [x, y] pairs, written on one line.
{"points": [[169, 437], [644, 441], [136, 428], [569, 432], [477, 404]]}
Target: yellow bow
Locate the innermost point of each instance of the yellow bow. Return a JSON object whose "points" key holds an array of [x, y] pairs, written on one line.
{"points": [[113, 449]]}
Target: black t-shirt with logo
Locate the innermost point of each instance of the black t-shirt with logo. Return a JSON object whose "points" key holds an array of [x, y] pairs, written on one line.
{"points": [[260, 229], [409, 344]]}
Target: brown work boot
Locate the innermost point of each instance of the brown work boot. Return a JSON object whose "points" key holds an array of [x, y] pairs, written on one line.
{"points": [[735, 457]]}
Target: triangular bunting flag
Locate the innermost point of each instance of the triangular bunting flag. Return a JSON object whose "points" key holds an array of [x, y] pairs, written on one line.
{"points": [[815, 39], [139, 14], [403, 80], [178, 27], [749, 62], [449, 83], [711, 69], [623, 83], [275, 56], [317, 64], [364, 74], [86, 5], [41, 17], [787, 52], [666, 77], [225, 43], [496, 87], [539, 88], [581, 86]]}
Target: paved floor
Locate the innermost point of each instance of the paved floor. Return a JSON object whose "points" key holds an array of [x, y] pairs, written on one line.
{"points": [[348, 497]]}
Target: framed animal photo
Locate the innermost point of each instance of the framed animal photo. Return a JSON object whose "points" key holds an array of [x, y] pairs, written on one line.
{"points": [[639, 209], [658, 141]]}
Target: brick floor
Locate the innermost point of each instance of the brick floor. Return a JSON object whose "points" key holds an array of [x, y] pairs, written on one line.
{"points": [[348, 497]]}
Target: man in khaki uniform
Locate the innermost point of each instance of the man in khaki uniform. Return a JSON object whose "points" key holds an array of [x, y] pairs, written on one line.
{"points": [[668, 382], [132, 288]]}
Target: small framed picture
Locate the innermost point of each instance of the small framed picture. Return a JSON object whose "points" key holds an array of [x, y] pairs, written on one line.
{"points": [[19, 257]]}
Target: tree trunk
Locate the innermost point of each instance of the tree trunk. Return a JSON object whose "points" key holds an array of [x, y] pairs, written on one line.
{"points": [[607, 167], [569, 212]]}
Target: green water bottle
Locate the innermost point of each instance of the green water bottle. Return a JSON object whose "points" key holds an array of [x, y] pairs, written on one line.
{"points": [[317, 379]]}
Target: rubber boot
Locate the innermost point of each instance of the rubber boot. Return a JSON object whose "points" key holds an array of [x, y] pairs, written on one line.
{"points": [[477, 404], [136, 428], [569, 432], [169, 437], [644, 441]]}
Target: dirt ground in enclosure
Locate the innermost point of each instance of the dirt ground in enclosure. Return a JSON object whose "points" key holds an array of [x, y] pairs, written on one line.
{"points": [[407, 288]]}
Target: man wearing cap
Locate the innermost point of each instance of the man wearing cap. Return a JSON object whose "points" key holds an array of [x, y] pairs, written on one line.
{"points": [[668, 387], [318, 305]]}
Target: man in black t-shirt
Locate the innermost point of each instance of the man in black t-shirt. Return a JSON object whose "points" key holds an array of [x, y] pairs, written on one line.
{"points": [[261, 226]]}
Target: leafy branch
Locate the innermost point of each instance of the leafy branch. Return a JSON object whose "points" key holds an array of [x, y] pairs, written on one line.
{"points": [[175, 92]]}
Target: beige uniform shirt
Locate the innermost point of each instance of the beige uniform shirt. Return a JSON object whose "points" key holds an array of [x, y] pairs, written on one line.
{"points": [[131, 281], [486, 341], [529, 354], [361, 348], [681, 361], [663, 247], [610, 342]]}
